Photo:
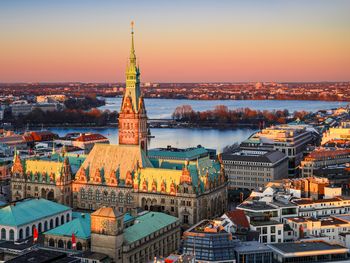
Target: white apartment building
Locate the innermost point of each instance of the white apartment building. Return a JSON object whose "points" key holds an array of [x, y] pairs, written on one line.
{"points": [[323, 207], [327, 229], [271, 231]]}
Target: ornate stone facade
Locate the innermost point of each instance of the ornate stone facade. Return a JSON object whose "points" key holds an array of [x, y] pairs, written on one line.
{"points": [[184, 183], [50, 179], [132, 116]]}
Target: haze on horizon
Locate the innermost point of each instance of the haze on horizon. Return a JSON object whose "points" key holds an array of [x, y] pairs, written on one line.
{"points": [[175, 41]]}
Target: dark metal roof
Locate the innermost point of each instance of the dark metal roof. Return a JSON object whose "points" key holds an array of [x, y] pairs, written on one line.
{"points": [[266, 157]]}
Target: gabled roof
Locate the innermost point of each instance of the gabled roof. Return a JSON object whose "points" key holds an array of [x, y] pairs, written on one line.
{"points": [[80, 226], [107, 212], [90, 137], [112, 158], [147, 224], [29, 210], [238, 217]]}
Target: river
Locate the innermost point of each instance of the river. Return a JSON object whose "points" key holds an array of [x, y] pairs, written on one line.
{"points": [[185, 137]]}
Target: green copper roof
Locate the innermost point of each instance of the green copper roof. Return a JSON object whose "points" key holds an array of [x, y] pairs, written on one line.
{"points": [[174, 153], [128, 218], [29, 210], [80, 226], [146, 225]]}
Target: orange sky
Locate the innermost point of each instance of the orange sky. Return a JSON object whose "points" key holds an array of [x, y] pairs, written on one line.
{"points": [[175, 42]]}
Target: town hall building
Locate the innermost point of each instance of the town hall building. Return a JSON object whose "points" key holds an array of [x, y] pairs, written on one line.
{"points": [[184, 183]]}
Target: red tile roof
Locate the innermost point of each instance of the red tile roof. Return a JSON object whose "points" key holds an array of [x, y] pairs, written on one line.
{"points": [[325, 153], [238, 217], [90, 137]]}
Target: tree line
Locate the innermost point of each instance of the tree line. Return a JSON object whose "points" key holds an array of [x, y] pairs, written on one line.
{"points": [[84, 103], [222, 115], [94, 117]]}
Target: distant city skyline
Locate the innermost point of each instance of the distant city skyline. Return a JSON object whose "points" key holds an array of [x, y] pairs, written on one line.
{"points": [[176, 41]]}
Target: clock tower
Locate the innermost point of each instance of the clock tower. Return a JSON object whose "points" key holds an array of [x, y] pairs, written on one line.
{"points": [[107, 225], [133, 116]]}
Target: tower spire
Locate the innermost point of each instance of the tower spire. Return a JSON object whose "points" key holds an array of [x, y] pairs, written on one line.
{"points": [[132, 115], [132, 58]]}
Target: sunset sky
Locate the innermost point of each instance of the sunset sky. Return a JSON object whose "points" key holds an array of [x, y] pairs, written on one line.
{"points": [[175, 41]]}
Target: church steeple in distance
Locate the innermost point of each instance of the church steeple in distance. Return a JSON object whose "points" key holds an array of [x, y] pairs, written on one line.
{"points": [[132, 116]]}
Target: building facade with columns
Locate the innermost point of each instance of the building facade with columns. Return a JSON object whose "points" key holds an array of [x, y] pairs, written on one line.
{"points": [[18, 219]]}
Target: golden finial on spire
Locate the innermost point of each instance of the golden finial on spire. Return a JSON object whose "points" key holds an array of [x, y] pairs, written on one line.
{"points": [[132, 26]]}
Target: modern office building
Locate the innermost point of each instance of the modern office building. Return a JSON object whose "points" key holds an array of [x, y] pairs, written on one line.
{"points": [[250, 169], [288, 139], [208, 241]]}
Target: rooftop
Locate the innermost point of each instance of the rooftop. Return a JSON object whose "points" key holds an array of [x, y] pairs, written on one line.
{"points": [[79, 225], [147, 224], [93, 255], [264, 222], [256, 206], [238, 217], [107, 212], [309, 201], [312, 247], [28, 210], [255, 156], [207, 226], [176, 153], [251, 246], [324, 153], [43, 256]]}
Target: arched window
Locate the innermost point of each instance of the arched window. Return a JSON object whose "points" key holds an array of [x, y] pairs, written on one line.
{"points": [[113, 197], [79, 246], [20, 234], [62, 219], [90, 194], [98, 195], [12, 235], [51, 242], [3, 234], [121, 197], [67, 218], [69, 245], [40, 227], [45, 226], [82, 193], [105, 196], [60, 244], [27, 231], [51, 223], [57, 222]]}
